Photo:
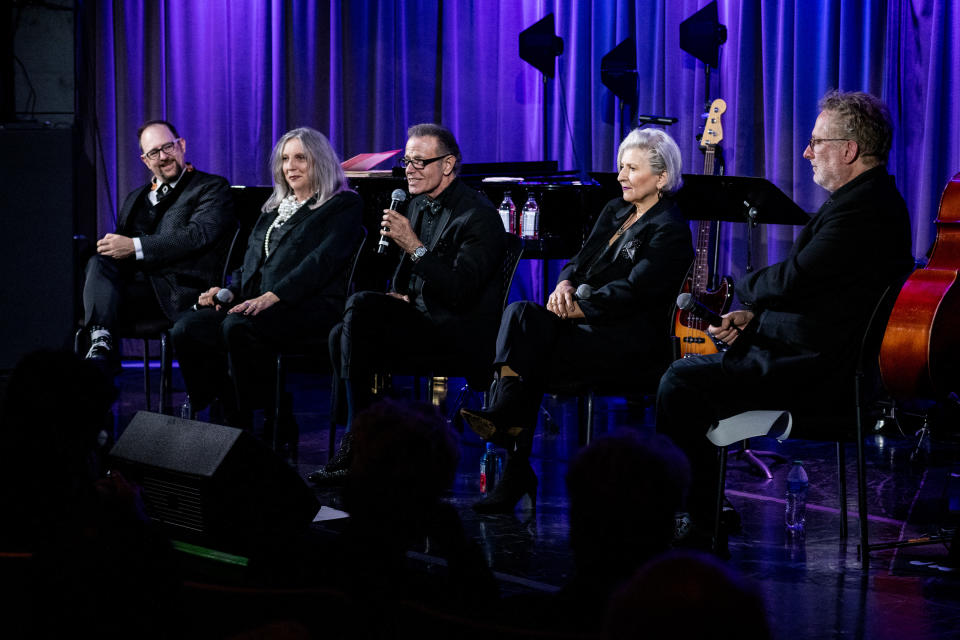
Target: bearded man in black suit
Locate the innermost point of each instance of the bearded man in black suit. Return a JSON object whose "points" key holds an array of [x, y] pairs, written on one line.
{"points": [[167, 248], [794, 344]]}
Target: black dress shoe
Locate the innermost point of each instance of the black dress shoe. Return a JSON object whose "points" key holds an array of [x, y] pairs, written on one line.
{"points": [[519, 483]]}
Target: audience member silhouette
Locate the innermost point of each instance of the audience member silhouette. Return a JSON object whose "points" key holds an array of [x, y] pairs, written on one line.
{"points": [[97, 564], [404, 461], [624, 492], [687, 594]]}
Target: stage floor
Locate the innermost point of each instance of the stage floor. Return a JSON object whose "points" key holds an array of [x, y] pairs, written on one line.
{"points": [[814, 587]]}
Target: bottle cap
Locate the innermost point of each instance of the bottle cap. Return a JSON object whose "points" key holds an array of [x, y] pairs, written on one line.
{"points": [[489, 446]]}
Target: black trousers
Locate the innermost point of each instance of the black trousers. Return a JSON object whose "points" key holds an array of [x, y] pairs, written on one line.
{"points": [[697, 392], [206, 341], [549, 352], [116, 293], [383, 333]]}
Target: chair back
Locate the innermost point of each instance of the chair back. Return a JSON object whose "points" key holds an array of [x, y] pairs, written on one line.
{"points": [[511, 258], [877, 326], [351, 272]]}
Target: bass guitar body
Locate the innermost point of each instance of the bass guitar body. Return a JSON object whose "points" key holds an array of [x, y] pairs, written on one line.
{"points": [[920, 353], [691, 332]]}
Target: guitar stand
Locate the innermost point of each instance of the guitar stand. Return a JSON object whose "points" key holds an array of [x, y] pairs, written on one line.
{"points": [[753, 458]]}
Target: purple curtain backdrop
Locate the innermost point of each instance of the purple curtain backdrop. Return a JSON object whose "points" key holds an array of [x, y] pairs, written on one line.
{"points": [[233, 75]]}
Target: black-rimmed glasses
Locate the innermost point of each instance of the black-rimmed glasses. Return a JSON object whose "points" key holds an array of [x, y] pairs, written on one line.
{"points": [[420, 164], [814, 141], [167, 149]]}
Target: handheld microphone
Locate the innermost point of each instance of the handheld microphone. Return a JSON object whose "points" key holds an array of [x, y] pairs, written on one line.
{"points": [[584, 291], [396, 198], [224, 296], [687, 302]]}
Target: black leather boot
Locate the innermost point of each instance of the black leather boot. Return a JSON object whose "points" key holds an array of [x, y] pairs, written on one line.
{"points": [[513, 408], [519, 482]]}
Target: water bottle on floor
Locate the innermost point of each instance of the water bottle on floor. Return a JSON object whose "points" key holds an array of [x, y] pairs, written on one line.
{"points": [[798, 485], [186, 409], [491, 468]]}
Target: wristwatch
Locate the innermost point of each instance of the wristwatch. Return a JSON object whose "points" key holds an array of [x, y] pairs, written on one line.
{"points": [[418, 253]]}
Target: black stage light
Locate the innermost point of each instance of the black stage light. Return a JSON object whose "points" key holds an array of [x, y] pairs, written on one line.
{"points": [[702, 34], [618, 71], [539, 46]]}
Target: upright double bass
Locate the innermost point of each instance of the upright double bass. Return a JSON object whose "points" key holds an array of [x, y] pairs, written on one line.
{"points": [[920, 353]]}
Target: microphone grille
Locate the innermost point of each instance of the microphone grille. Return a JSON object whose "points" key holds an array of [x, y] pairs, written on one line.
{"points": [[685, 301], [584, 291], [399, 195]]}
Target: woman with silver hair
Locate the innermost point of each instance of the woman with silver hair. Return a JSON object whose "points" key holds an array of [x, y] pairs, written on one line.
{"points": [[289, 292], [607, 319]]}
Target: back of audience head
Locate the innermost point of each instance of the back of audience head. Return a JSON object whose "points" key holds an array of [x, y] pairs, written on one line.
{"points": [[405, 458], [54, 408], [55, 405], [624, 493], [687, 594]]}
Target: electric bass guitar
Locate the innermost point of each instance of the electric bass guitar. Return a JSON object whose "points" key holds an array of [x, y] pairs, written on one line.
{"points": [[689, 329]]}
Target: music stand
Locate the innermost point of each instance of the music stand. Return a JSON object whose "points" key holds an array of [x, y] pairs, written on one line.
{"points": [[737, 199]]}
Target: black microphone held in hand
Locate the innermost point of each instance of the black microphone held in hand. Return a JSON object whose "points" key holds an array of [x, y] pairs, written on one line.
{"points": [[687, 302], [396, 198], [224, 296], [583, 292]]}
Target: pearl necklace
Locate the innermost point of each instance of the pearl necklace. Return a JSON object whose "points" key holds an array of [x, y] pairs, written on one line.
{"points": [[288, 207]]}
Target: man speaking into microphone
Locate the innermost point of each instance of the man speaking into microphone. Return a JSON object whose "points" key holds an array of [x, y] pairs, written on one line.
{"points": [[445, 299]]}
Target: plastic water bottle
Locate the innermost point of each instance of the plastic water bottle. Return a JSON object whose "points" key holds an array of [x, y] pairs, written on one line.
{"points": [[491, 468], [797, 487], [508, 214], [530, 224], [186, 409]]}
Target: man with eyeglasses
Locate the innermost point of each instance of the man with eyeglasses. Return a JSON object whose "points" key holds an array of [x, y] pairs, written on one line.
{"points": [[166, 250], [446, 296], [795, 343]]}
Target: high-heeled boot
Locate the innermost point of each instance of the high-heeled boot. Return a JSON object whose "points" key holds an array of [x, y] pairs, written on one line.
{"points": [[335, 471], [519, 482], [513, 408]]}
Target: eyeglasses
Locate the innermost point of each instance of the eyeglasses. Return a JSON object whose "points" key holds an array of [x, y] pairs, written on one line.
{"points": [[420, 164], [167, 149], [814, 141]]}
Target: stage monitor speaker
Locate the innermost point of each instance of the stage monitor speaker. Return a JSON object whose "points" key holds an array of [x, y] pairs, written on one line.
{"points": [[211, 484]]}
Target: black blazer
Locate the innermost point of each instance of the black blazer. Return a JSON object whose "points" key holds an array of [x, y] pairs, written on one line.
{"points": [[185, 252], [635, 280], [813, 307], [307, 268], [460, 285]]}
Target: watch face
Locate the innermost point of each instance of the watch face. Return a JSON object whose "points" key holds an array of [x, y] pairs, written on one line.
{"points": [[419, 252]]}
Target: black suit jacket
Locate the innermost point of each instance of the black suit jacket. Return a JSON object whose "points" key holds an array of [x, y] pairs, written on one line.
{"points": [[459, 280], [307, 268], [813, 307], [635, 280], [185, 252]]}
